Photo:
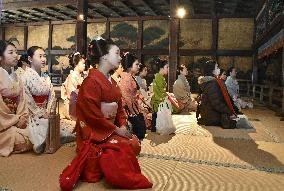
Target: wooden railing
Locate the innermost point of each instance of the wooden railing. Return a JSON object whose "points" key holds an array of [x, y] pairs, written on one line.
{"points": [[271, 96]]}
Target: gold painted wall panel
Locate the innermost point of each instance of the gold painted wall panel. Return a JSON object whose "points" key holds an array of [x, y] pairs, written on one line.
{"points": [[124, 34], [243, 64], [63, 37], [16, 36], [156, 34], [196, 34], [59, 63], [95, 30], [38, 36], [235, 33]]}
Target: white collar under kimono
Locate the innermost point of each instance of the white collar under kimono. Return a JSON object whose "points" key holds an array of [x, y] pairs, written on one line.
{"points": [[37, 85], [9, 83]]}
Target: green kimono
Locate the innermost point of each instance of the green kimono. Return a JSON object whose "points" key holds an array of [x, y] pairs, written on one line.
{"points": [[159, 90]]}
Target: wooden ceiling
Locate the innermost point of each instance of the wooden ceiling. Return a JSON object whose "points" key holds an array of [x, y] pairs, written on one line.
{"points": [[18, 11]]}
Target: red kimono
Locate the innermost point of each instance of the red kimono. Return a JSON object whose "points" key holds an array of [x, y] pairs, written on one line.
{"points": [[100, 151], [96, 89]]}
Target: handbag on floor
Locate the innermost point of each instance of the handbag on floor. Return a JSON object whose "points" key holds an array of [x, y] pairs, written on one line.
{"points": [[53, 134], [138, 125], [164, 121]]}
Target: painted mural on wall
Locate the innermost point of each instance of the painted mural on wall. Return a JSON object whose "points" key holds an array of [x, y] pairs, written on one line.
{"points": [[243, 65], [235, 33], [156, 34], [63, 37], [95, 30], [124, 34], [196, 34], [270, 69], [38, 36], [60, 64], [16, 36]]}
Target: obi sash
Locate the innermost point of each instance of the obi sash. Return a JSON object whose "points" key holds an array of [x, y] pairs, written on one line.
{"points": [[11, 102], [109, 110], [40, 100]]}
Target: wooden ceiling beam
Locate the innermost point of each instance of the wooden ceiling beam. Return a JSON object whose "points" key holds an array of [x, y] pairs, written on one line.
{"points": [[146, 3], [97, 11], [107, 5], [22, 16], [48, 14], [126, 4], [62, 12], [36, 4]]}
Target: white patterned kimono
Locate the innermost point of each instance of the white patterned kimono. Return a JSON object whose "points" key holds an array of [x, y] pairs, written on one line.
{"points": [[71, 84], [41, 100], [233, 89]]}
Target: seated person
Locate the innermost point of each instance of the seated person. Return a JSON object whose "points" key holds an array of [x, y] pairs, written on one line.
{"points": [[100, 114], [144, 103], [130, 91], [41, 100], [14, 135], [181, 90], [215, 106], [233, 89], [73, 81], [159, 89]]}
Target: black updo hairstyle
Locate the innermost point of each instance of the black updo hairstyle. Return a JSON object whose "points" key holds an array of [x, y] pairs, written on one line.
{"points": [[160, 63], [31, 51], [141, 68], [230, 70], [23, 58], [127, 60], [180, 68], [3, 46], [222, 71], [74, 59], [209, 67], [98, 48]]}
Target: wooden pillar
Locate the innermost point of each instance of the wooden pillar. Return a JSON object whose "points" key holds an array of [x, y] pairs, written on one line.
{"points": [[283, 81], [282, 67], [81, 26], [25, 37], [108, 29], [2, 33], [254, 58], [215, 25], [215, 36], [50, 30], [174, 47], [140, 39]]}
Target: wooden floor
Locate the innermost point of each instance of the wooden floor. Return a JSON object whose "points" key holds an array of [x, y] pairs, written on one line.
{"points": [[195, 158]]}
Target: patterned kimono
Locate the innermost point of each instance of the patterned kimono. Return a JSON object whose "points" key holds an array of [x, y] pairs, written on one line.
{"points": [[130, 93], [73, 81], [13, 107], [41, 99], [181, 90], [131, 97]]}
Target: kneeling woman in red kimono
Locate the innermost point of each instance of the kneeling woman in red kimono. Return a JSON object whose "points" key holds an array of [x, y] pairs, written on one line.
{"points": [[101, 123]]}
